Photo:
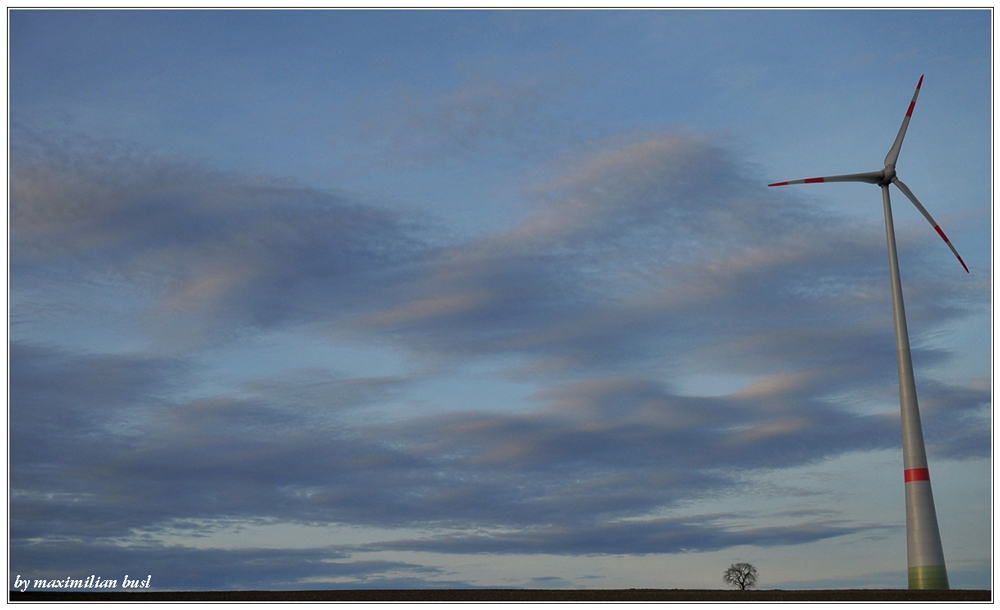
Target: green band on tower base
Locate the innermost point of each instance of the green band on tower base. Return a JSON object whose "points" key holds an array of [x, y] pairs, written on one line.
{"points": [[928, 577]]}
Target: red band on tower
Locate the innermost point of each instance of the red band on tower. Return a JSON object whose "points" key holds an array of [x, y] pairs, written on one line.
{"points": [[916, 474]]}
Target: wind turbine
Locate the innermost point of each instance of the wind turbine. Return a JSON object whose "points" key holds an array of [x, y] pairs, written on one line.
{"points": [[925, 558]]}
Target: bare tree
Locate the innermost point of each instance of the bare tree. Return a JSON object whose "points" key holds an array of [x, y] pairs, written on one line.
{"points": [[742, 575]]}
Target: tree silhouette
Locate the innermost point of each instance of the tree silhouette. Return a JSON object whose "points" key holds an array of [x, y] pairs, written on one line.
{"points": [[742, 575]]}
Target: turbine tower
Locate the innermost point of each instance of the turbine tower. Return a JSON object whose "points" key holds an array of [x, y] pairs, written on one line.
{"points": [[925, 558]]}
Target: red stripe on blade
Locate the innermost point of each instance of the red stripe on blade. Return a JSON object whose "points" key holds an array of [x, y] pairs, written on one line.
{"points": [[964, 266], [941, 233], [811, 180], [921, 81], [779, 184], [916, 474], [909, 111]]}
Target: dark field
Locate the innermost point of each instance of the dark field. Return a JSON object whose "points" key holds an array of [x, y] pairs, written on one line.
{"points": [[521, 595]]}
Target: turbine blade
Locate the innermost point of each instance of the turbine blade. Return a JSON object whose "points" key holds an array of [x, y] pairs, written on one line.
{"points": [[909, 195], [890, 159], [870, 177]]}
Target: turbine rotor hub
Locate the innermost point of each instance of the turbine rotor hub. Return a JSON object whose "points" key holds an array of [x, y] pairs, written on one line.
{"points": [[887, 175]]}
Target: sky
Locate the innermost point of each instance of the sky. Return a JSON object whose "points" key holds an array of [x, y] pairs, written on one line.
{"points": [[424, 299]]}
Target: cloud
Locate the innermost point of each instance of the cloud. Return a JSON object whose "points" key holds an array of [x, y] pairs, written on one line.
{"points": [[661, 244], [639, 537], [107, 434], [478, 115], [602, 450], [957, 419], [664, 245], [235, 249], [105, 457], [644, 260]]}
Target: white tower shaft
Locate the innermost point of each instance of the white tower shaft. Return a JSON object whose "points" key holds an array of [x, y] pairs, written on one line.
{"points": [[925, 557]]}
